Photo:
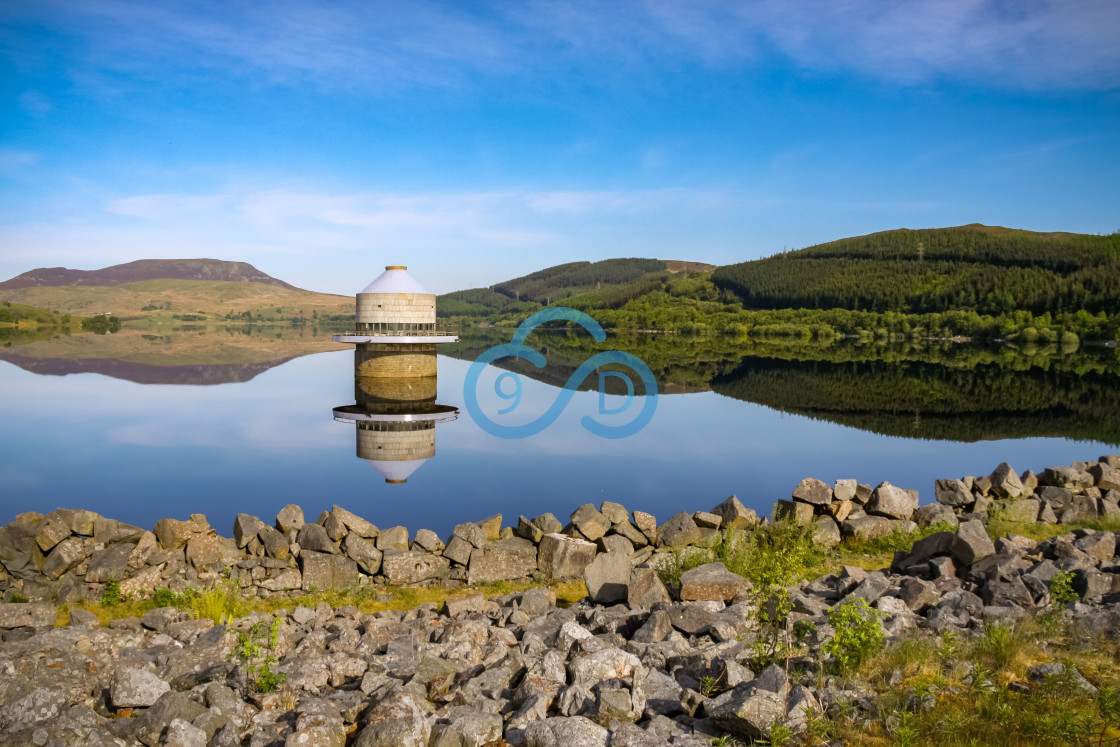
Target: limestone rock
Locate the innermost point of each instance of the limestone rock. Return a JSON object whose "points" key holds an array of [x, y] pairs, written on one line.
{"points": [[711, 582], [645, 589], [892, 502], [503, 560], [393, 538], [953, 493], [246, 527], [131, 687], [735, 515], [812, 490], [64, 556], [26, 615], [355, 524], [608, 577], [362, 551], [404, 567], [314, 537], [561, 557], [1005, 482], [796, 511], [591, 523], [971, 543], [290, 517], [326, 571]]}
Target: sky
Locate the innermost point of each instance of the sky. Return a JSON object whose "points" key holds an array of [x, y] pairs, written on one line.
{"points": [[479, 141]]}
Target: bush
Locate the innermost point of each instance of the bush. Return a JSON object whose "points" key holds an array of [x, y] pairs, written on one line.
{"points": [[858, 636], [112, 594]]}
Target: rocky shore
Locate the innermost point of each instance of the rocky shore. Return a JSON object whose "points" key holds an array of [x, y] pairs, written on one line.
{"points": [[638, 662]]}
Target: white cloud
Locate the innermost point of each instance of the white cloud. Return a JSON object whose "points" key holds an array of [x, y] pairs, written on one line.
{"points": [[12, 160], [393, 46]]}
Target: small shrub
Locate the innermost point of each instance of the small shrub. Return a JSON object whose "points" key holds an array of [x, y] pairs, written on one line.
{"points": [[255, 650], [112, 594], [18, 598], [1061, 588], [858, 634]]}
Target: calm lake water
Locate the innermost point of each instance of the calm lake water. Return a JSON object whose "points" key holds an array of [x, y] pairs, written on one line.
{"points": [[85, 423]]}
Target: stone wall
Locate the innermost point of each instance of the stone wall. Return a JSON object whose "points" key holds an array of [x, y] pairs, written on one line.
{"points": [[70, 554], [418, 310], [395, 360]]}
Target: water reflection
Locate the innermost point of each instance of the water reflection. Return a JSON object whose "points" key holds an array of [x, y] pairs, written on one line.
{"points": [[394, 421]]}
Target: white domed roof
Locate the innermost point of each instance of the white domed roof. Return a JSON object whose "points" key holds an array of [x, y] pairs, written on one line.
{"points": [[395, 279], [396, 472]]}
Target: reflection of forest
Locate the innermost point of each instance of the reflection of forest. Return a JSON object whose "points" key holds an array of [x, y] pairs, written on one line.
{"points": [[927, 400], [940, 391]]}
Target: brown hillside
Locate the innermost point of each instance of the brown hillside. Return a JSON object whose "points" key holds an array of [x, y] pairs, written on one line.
{"points": [[145, 269]]}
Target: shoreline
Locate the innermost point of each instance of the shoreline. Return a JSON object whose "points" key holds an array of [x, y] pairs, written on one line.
{"points": [[672, 644]]}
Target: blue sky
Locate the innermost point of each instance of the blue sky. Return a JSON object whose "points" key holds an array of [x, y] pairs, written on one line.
{"points": [[479, 141]]}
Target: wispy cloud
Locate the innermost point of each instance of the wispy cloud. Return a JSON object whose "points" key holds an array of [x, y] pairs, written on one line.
{"points": [[387, 46], [11, 159]]}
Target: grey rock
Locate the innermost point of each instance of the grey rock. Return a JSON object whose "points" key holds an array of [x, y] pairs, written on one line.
{"points": [[458, 550], [656, 628], [1005, 482], [472, 533], [362, 551], [706, 520], [678, 531], [826, 532], [402, 568], [747, 711], [181, 733], [645, 589], [246, 527], [314, 537], [393, 538], [326, 571], [735, 515], [290, 517], [933, 513], [150, 725], [812, 490], [503, 560], [548, 523], [65, 555], [608, 578], [53, 530], [562, 557], [711, 582], [971, 543], [559, 731], [355, 524], [83, 619], [591, 523], [867, 527], [918, 595], [110, 562], [892, 502], [275, 543], [953, 493], [528, 530], [796, 511], [26, 615], [396, 721], [616, 513]]}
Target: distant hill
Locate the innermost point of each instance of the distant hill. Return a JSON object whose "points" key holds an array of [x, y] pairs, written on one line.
{"points": [[986, 269], [146, 269], [608, 283]]}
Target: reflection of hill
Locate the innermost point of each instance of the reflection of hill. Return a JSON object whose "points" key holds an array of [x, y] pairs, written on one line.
{"points": [[927, 400], [199, 357], [680, 364]]}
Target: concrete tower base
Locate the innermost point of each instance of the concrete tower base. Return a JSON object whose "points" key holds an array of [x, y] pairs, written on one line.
{"points": [[395, 360]]}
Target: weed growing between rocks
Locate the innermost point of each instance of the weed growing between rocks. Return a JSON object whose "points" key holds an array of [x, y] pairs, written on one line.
{"points": [[858, 634], [255, 652]]}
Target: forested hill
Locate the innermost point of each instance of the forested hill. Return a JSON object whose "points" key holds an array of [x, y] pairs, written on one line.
{"points": [[605, 284], [145, 269], [986, 269]]}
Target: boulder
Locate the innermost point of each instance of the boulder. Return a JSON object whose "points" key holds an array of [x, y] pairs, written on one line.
{"points": [[826, 532], [26, 615], [130, 687], [645, 589], [173, 534], [971, 543], [502, 560], [844, 490], [428, 540], [711, 582], [812, 490], [678, 531], [548, 523], [933, 513], [561, 557], [590, 522], [52, 530], [616, 513], [608, 577], [290, 517], [362, 551], [405, 567], [1006, 482], [867, 527], [275, 543], [706, 520], [892, 502], [747, 711], [397, 721], [491, 526], [458, 550], [355, 524], [1022, 511], [246, 527], [735, 515], [314, 537], [203, 549], [796, 511], [327, 571], [393, 538], [64, 556], [953, 493]]}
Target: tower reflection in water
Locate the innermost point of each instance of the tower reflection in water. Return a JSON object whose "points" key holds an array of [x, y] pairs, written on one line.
{"points": [[395, 411], [395, 423]]}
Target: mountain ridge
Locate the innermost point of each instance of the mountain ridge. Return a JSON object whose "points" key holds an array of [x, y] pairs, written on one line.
{"points": [[145, 269]]}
